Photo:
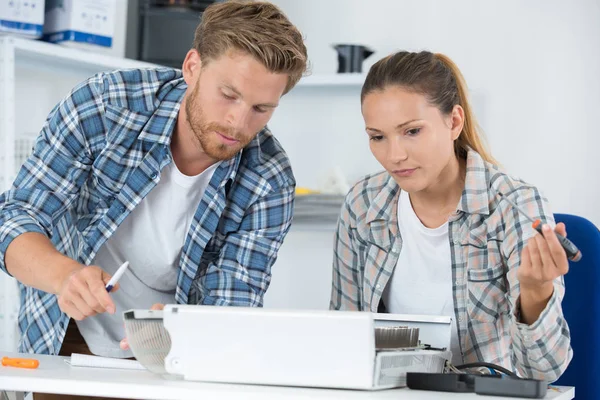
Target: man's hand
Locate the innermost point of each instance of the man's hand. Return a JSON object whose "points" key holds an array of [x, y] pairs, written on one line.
{"points": [[83, 293], [124, 344]]}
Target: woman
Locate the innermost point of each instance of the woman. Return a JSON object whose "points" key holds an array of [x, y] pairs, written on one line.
{"points": [[432, 235]]}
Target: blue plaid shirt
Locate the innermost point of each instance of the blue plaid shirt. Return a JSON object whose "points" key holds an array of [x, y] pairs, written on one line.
{"points": [[100, 153]]}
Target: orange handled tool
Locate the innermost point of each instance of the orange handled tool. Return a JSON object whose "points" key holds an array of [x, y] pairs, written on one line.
{"points": [[20, 362]]}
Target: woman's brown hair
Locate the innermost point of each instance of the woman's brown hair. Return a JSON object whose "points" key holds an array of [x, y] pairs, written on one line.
{"points": [[438, 78]]}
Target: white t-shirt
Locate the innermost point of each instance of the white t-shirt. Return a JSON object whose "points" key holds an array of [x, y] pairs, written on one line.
{"points": [[422, 280], [151, 238]]}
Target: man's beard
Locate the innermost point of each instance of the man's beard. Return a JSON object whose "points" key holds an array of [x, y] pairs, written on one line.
{"points": [[205, 131]]}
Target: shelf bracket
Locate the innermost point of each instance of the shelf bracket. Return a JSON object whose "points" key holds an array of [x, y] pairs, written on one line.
{"points": [[8, 309], [7, 112]]}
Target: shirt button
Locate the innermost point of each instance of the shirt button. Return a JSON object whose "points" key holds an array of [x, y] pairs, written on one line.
{"points": [[394, 250], [457, 282], [154, 175], [378, 286], [460, 318]]}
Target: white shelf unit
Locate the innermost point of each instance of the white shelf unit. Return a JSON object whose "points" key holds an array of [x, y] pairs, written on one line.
{"points": [[20, 56], [328, 80]]}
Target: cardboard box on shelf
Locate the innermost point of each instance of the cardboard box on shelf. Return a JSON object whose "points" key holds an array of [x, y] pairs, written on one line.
{"points": [[81, 23], [22, 17]]}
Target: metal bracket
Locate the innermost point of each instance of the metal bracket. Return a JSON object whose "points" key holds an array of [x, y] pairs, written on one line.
{"points": [[7, 112], [17, 396], [8, 314]]}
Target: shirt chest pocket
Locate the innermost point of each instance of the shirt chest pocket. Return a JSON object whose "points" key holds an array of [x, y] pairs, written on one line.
{"points": [[106, 178], [487, 291], [102, 192]]}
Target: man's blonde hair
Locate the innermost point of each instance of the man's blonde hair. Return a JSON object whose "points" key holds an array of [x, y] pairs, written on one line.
{"points": [[258, 28]]}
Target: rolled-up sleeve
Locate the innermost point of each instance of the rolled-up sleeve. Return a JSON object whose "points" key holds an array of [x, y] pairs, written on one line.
{"points": [[541, 350]]}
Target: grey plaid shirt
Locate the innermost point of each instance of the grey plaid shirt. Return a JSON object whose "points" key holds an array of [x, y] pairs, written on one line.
{"points": [[486, 239]]}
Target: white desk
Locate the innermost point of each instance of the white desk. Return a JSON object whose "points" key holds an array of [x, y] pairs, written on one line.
{"points": [[55, 376]]}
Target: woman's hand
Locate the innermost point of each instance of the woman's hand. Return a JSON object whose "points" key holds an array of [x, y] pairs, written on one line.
{"points": [[542, 261]]}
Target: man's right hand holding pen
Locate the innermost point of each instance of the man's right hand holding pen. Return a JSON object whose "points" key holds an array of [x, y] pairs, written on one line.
{"points": [[83, 293], [34, 261]]}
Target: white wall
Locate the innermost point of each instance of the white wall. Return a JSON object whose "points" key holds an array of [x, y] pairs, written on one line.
{"points": [[534, 67]]}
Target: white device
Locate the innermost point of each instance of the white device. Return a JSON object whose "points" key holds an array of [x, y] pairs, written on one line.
{"points": [[334, 349]]}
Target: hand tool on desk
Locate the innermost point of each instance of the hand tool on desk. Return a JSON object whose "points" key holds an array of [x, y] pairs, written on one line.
{"points": [[29, 363]]}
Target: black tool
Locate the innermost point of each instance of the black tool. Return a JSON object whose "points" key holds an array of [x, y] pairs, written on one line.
{"points": [[440, 382], [511, 387], [492, 385], [572, 251]]}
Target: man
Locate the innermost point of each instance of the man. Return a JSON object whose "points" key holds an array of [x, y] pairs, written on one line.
{"points": [[173, 171]]}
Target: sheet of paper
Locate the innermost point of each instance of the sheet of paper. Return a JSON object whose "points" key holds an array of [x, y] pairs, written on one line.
{"points": [[82, 360]]}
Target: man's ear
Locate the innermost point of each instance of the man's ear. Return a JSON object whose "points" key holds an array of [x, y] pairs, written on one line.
{"points": [[191, 67]]}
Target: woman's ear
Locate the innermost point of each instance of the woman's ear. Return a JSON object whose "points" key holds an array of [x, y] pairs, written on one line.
{"points": [[457, 119]]}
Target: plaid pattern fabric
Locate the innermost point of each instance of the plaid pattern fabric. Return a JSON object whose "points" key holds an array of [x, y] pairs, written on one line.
{"points": [[486, 238], [100, 153]]}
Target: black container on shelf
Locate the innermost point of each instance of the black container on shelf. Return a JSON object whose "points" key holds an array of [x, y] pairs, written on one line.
{"points": [[166, 29], [351, 57]]}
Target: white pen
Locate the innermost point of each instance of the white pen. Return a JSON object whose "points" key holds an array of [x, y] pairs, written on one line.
{"points": [[115, 278]]}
